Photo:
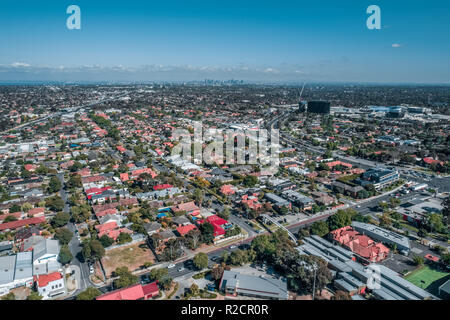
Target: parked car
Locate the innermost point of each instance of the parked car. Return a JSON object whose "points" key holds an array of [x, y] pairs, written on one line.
{"points": [[170, 266]]}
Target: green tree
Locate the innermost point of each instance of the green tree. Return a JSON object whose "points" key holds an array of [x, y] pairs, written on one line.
{"points": [[54, 203], [418, 260], [194, 289], [65, 256], [207, 231], [93, 250], [60, 219], [64, 235], [75, 181], [264, 246], [250, 181], [15, 208], [34, 296], [339, 220], [158, 274], [435, 222], [238, 257], [124, 238], [126, 278], [225, 214], [9, 219], [89, 294], [54, 185], [106, 241], [9, 296], [320, 228], [201, 260]]}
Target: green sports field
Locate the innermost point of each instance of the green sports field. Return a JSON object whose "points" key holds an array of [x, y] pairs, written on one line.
{"points": [[430, 277]]}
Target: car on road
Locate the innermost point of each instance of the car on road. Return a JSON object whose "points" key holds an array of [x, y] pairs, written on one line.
{"points": [[91, 269], [170, 266], [181, 269], [233, 247], [145, 279]]}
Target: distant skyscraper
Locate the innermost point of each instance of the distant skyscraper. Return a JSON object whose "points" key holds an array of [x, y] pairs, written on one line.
{"points": [[319, 107]]}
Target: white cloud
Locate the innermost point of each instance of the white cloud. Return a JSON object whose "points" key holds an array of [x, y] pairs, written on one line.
{"points": [[396, 45], [20, 65]]}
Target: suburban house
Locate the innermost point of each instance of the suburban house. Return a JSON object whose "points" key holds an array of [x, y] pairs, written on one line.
{"points": [[152, 228], [188, 207], [135, 292], [50, 285], [183, 230]]}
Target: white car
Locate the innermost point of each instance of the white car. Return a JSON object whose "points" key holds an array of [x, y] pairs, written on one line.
{"points": [[170, 266], [181, 269], [233, 247], [91, 269]]}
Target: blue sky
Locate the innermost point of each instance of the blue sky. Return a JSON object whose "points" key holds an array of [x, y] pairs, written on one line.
{"points": [[324, 40]]}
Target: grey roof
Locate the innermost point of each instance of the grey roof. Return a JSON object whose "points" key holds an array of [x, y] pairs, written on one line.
{"points": [[180, 220], [352, 280], [445, 287], [278, 200], [357, 297], [24, 269], [152, 226], [44, 247], [31, 241], [252, 285], [382, 294], [167, 234], [344, 285], [382, 234], [7, 265]]}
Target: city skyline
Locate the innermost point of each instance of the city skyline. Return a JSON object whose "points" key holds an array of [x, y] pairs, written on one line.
{"points": [[252, 41]]}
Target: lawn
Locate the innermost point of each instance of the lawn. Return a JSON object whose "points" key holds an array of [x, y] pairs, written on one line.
{"points": [[431, 277], [133, 257]]}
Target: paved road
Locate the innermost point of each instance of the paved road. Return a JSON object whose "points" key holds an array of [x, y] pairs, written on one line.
{"points": [[74, 244]]}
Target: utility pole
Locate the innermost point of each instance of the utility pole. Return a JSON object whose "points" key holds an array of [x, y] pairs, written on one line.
{"points": [[314, 283]]}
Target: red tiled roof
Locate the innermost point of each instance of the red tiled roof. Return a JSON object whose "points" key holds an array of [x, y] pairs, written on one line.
{"points": [[101, 228], [188, 206], [162, 187], [151, 289], [36, 211], [135, 292], [216, 220], [21, 223], [44, 279], [185, 229]]}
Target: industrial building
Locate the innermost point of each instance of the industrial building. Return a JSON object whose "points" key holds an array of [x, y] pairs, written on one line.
{"points": [[234, 283], [353, 277], [379, 177], [16, 271], [322, 107]]}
